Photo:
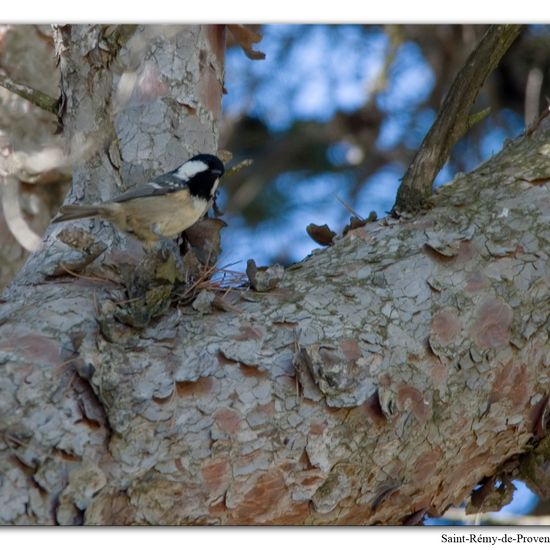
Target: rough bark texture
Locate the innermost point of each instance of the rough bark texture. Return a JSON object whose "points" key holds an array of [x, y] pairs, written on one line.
{"points": [[384, 378]]}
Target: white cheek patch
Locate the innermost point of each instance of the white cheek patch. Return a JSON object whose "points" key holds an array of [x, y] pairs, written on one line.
{"points": [[189, 169]]}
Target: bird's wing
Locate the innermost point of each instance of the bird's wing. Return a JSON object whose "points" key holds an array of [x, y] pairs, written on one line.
{"points": [[162, 185]]}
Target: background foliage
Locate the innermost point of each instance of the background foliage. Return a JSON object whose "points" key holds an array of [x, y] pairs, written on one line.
{"points": [[335, 113]]}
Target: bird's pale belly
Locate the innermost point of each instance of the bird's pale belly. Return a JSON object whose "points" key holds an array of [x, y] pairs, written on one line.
{"points": [[165, 216]]}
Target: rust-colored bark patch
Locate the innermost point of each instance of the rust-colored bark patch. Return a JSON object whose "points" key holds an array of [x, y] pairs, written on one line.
{"points": [[210, 91], [311, 480], [439, 372], [446, 326], [420, 407], [261, 414], [201, 387], [294, 516], [216, 474], [223, 360], [268, 490], [475, 282], [350, 349], [112, 509], [317, 428], [501, 385], [361, 233], [521, 387], [249, 333], [511, 384], [228, 420], [251, 371], [493, 320], [217, 508], [462, 475], [36, 347], [215, 34], [466, 251], [355, 515], [425, 465]]}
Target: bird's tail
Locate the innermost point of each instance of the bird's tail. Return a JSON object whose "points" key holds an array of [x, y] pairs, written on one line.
{"points": [[77, 211]]}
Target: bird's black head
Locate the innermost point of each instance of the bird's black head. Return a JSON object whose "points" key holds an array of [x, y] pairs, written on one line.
{"points": [[201, 174], [212, 161]]}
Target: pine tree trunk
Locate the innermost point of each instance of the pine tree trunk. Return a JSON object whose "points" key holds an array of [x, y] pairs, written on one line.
{"points": [[384, 378]]}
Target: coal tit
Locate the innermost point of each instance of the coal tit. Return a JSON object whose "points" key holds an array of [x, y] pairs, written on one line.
{"points": [[162, 207]]}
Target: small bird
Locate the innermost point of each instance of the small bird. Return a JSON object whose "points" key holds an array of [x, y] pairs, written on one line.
{"points": [[161, 208]]}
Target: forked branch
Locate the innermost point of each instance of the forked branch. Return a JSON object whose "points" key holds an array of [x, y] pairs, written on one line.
{"points": [[453, 119]]}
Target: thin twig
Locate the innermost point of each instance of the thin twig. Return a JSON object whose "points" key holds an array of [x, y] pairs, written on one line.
{"points": [[87, 278], [453, 119], [36, 97], [238, 167], [476, 118], [348, 207], [380, 83]]}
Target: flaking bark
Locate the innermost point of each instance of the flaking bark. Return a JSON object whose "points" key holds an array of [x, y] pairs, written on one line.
{"points": [[384, 378]]}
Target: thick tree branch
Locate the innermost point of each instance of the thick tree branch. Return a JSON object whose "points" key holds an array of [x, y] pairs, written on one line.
{"points": [[36, 97], [383, 379], [453, 119]]}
